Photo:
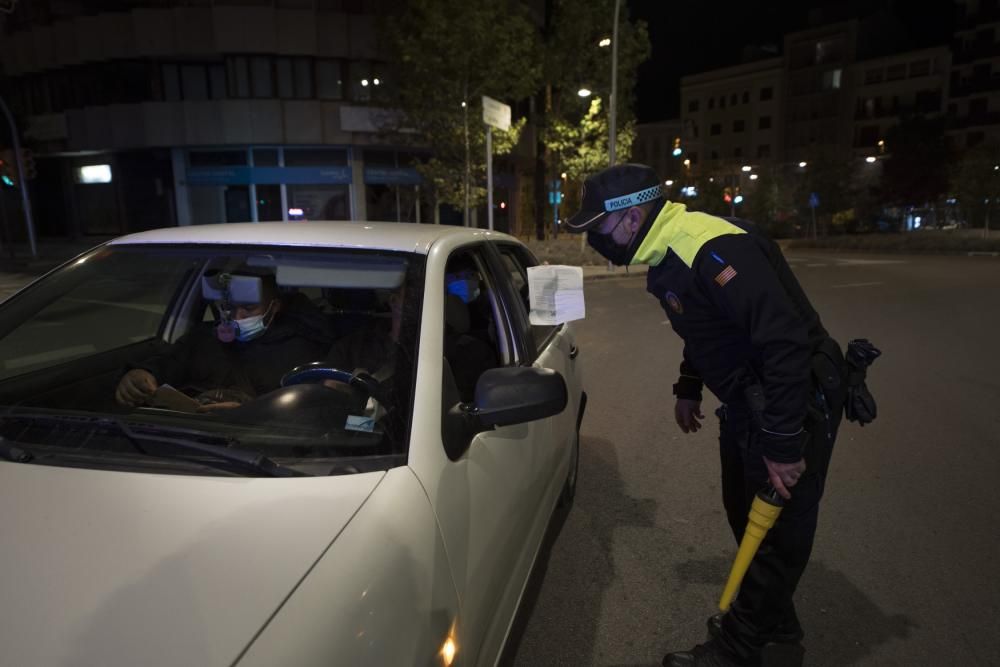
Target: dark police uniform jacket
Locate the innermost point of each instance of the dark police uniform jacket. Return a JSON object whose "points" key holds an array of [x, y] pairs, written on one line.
{"points": [[744, 319]]}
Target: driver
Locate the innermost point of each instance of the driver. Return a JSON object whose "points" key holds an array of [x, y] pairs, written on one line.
{"points": [[273, 336]]}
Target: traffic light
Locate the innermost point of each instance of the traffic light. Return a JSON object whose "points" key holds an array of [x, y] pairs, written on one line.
{"points": [[727, 195], [8, 170], [677, 147]]}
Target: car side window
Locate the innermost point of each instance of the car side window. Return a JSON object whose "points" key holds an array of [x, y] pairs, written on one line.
{"points": [[476, 336], [516, 260]]}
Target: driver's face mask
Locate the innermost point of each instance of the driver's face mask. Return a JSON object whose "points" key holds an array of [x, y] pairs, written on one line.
{"points": [[251, 327], [465, 286]]}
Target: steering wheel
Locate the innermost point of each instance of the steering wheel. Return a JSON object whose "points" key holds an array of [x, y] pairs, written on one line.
{"points": [[318, 371]]}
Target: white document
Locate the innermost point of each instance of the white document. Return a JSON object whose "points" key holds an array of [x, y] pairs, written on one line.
{"points": [[555, 294]]}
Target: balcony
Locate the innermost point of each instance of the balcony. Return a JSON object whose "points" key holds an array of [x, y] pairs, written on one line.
{"points": [[981, 119], [974, 86], [968, 52]]}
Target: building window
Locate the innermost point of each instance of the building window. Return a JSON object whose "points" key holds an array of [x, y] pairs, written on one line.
{"points": [[920, 68], [734, 99], [711, 102], [746, 97], [722, 101], [764, 123], [194, 82], [284, 79], [303, 78], [895, 72], [314, 157], [692, 106], [831, 79], [873, 76], [714, 155], [238, 77], [217, 82], [766, 93], [737, 152], [171, 83], [716, 129], [764, 151], [229, 158], [329, 80], [739, 126], [262, 77]]}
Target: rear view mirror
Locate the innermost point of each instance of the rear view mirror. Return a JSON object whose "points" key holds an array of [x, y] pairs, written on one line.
{"points": [[242, 289]]}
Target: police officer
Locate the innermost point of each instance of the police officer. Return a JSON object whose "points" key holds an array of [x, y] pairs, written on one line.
{"points": [[751, 336]]}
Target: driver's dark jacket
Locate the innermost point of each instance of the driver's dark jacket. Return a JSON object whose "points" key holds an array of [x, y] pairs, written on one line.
{"points": [[199, 361], [744, 319]]}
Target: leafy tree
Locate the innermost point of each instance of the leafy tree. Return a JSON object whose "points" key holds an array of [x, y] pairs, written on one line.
{"points": [[448, 54], [975, 182], [574, 131], [917, 172]]}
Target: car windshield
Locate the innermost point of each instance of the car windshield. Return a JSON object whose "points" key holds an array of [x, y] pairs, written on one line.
{"points": [[130, 354]]}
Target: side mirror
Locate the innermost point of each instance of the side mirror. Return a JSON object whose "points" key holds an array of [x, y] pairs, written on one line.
{"points": [[506, 396]]}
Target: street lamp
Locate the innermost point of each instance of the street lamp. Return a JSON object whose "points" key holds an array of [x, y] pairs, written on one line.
{"points": [[613, 130], [871, 159], [584, 92], [803, 165], [604, 42], [747, 168]]}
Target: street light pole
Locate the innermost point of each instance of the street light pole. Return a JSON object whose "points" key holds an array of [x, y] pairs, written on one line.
{"points": [[613, 101]]}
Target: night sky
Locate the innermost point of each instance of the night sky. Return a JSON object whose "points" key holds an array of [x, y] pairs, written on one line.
{"points": [[689, 36]]}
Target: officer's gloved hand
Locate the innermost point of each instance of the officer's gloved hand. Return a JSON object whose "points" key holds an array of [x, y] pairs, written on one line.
{"points": [[687, 412]]}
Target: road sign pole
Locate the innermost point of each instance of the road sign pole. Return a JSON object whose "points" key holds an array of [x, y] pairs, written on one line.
{"points": [[489, 176]]}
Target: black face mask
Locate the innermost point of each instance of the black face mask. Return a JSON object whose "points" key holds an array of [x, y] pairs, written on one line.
{"points": [[606, 246]]}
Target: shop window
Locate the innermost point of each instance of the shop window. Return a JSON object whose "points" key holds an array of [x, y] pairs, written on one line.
{"points": [[329, 80]]}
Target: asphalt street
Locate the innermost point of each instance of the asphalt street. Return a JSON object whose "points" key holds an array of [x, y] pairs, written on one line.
{"points": [[904, 566]]}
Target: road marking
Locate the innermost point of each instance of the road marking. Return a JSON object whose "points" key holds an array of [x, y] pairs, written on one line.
{"points": [[812, 266], [868, 262], [982, 254], [856, 285]]}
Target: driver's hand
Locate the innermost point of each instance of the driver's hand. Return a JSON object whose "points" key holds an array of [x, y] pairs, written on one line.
{"points": [[135, 387], [222, 405]]}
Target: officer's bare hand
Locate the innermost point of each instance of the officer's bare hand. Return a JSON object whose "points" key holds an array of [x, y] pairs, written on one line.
{"points": [[135, 387], [784, 475], [687, 413]]}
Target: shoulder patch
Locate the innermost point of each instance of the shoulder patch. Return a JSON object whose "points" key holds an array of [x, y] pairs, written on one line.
{"points": [[725, 276]]}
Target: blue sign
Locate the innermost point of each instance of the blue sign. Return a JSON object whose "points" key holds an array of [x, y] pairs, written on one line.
{"points": [[555, 197], [392, 176], [334, 175], [813, 200]]}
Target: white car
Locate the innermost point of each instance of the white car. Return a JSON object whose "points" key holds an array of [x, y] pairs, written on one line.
{"points": [[382, 505]]}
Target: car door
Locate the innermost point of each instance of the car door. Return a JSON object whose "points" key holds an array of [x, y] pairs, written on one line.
{"points": [[552, 347], [491, 499]]}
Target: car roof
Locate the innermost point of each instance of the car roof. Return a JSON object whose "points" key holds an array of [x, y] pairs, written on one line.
{"points": [[398, 236]]}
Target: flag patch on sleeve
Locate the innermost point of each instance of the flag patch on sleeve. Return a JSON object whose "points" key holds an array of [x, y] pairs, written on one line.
{"points": [[725, 276]]}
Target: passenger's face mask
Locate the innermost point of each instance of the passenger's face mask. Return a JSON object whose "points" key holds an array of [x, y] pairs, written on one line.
{"points": [[464, 287], [251, 327]]}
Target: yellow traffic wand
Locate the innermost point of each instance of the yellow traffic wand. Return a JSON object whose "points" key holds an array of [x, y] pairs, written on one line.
{"points": [[764, 512]]}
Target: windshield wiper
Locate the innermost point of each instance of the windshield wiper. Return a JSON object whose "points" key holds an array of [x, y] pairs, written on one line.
{"points": [[250, 459]]}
